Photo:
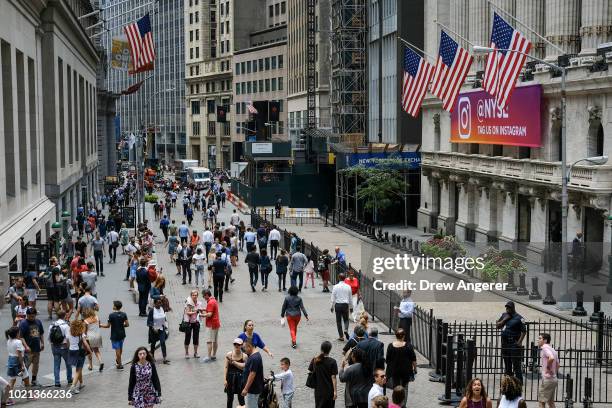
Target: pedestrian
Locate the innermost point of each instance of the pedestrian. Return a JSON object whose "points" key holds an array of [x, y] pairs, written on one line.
{"points": [[358, 378], [144, 286], [16, 294], [219, 268], [58, 338], [164, 223], [475, 396], [549, 364], [189, 215], [234, 249], [235, 218], [293, 244], [185, 256], [309, 270], [172, 243], [117, 322], [213, 323], [183, 232], [252, 259], [512, 335], [401, 361], [113, 243], [21, 311], [144, 389], [234, 366], [31, 284], [323, 267], [78, 348], [293, 307], [32, 332], [16, 364], [191, 313], [124, 237], [341, 299], [274, 237], [340, 258], [249, 334], [265, 267], [249, 238], [253, 377], [97, 246], [356, 304], [158, 329], [380, 379], [296, 266], [381, 401], [286, 379], [511, 390], [94, 337], [405, 312], [207, 239], [200, 259], [241, 234], [86, 301], [56, 288], [324, 369], [282, 264], [90, 277]]}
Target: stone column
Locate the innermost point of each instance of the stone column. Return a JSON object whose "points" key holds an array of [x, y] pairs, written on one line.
{"points": [[462, 219], [425, 206], [531, 13], [479, 29], [459, 17], [562, 26], [508, 223], [596, 25], [444, 204], [537, 236], [483, 216]]}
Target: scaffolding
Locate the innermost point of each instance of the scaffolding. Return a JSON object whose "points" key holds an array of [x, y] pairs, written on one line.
{"points": [[348, 96]]}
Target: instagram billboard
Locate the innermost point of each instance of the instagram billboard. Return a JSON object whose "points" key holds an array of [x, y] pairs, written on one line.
{"points": [[477, 119]]}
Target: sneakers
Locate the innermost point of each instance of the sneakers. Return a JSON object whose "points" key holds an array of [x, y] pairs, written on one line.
{"points": [[293, 345], [74, 390], [346, 335], [206, 360], [120, 367], [166, 361]]}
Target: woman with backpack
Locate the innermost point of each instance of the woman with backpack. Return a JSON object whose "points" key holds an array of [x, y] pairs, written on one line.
{"points": [[78, 348], [265, 267], [323, 268]]}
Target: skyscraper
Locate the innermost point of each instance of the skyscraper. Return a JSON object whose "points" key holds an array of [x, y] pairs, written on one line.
{"points": [[159, 105]]}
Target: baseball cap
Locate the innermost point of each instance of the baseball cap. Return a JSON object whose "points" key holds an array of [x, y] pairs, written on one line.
{"points": [[238, 340]]}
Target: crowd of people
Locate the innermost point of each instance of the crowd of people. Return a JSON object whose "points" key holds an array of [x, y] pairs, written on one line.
{"points": [[205, 261]]}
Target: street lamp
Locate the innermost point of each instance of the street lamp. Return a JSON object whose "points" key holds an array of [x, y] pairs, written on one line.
{"points": [[565, 301], [66, 216], [56, 227]]}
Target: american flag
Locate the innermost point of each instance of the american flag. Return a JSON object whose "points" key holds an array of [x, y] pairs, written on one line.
{"points": [[417, 75], [504, 67], [450, 71], [140, 38], [251, 109]]}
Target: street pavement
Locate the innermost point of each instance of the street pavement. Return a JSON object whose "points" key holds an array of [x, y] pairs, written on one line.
{"points": [[187, 383]]}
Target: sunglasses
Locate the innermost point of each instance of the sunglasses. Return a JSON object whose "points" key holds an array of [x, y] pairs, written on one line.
{"points": [[236, 344], [381, 376]]}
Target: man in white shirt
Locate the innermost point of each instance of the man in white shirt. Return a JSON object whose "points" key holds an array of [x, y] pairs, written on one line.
{"points": [[377, 388], [235, 219], [274, 238], [404, 312], [60, 350], [207, 239], [113, 243], [341, 299]]}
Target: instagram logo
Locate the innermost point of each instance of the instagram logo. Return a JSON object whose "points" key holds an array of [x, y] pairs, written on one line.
{"points": [[465, 117]]}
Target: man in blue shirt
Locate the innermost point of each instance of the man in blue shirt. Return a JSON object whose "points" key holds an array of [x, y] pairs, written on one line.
{"points": [[164, 223], [253, 375], [404, 312], [32, 332], [340, 258], [512, 335], [250, 237], [183, 232]]}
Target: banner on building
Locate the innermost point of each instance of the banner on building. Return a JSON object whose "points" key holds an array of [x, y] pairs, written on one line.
{"points": [[410, 160], [120, 53], [476, 118]]}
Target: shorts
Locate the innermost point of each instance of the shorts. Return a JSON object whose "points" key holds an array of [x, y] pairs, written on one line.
{"points": [[117, 345], [13, 368], [211, 335], [31, 294], [75, 359], [547, 390]]}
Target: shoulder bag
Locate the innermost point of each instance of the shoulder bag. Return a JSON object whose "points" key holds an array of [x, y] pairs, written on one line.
{"points": [[183, 325], [311, 380]]}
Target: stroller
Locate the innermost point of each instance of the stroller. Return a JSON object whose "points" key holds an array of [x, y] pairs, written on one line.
{"points": [[268, 399]]}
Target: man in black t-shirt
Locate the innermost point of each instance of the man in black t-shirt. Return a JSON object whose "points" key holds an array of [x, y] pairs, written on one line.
{"points": [[32, 332], [81, 246], [253, 375], [117, 321], [513, 333]]}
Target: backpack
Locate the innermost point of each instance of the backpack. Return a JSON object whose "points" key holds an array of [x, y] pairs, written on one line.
{"points": [[152, 273], [56, 335]]}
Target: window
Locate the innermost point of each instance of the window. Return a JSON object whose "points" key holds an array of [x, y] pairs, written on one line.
{"points": [[208, 87], [197, 88], [261, 65], [213, 16], [222, 9], [197, 35], [273, 84], [222, 47], [254, 86], [261, 86], [210, 106], [281, 127], [267, 85], [237, 89], [197, 52], [227, 27], [267, 63], [213, 52], [280, 83], [197, 17], [249, 87], [227, 45], [190, 71], [190, 18], [280, 61], [195, 128], [283, 7], [238, 107], [237, 69], [191, 53], [190, 35], [190, 90], [273, 62], [212, 85], [226, 129], [243, 67], [197, 70], [271, 11], [244, 109], [277, 9], [280, 106], [227, 8], [248, 65], [222, 28], [211, 128], [254, 65]]}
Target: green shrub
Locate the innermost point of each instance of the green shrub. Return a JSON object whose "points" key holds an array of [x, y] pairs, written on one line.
{"points": [[445, 247], [151, 198], [497, 264]]}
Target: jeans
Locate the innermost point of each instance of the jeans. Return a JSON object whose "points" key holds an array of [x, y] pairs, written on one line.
{"points": [[60, 353], [282, 277], [186, 266], [286, 400], [162, 343], [165, 231], [112, 252], [252, 400], [230, 400], [264, 279], [294, 278], [208, 245], [273, 248], [512, 356], [143, 298], [195, 329], [253, 272], [199, 275], [99, 258], [249, 245], [342, 315], [218, 286]]}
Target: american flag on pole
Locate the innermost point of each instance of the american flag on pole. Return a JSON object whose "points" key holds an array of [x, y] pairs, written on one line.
{"points": [[417, 75], [251, 108], [140, 37], [505, 62], [450, 71]]}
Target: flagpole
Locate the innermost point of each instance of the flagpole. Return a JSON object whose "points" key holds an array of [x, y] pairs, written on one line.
{"points": [[414, 47], [527, 27], [454, 32]]}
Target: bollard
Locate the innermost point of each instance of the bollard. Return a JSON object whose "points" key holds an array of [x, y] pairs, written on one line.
{"points": [[579, 309], [460, 373], [393, 240], [535, 291], [569, 391], [522, 289], [410, 245], [549, 299], [449, 365], [386, 236], [404, 243], [510, 287], [471, 358], [596, 308], [416, 249], [441, 332]]}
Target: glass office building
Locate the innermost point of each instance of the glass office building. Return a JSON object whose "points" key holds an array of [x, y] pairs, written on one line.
{"points": [[160, 102]]}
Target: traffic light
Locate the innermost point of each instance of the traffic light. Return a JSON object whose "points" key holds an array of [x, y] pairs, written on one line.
{"points": [[274, 111], [302, 138], [222, 114]]}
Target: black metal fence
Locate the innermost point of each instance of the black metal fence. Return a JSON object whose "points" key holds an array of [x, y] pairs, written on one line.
{"points": [[458, 351]]}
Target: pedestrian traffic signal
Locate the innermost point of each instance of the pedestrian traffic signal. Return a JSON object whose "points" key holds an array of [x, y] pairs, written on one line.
{"points": [[274, 111], [222, 114]]}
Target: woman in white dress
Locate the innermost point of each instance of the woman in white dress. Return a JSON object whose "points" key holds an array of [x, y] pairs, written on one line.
{"points": [[94, 337]]}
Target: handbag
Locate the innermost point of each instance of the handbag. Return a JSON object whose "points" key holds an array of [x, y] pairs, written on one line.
{"points": [[311, 380], [183, 325]]}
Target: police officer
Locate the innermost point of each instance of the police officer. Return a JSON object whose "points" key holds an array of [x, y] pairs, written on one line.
{"points": [[512, 335]]}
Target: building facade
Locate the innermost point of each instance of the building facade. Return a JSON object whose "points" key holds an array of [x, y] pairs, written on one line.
{"points": [[297, 80], [509, 195], [160, 101], [214, 30], [388, 20]]}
